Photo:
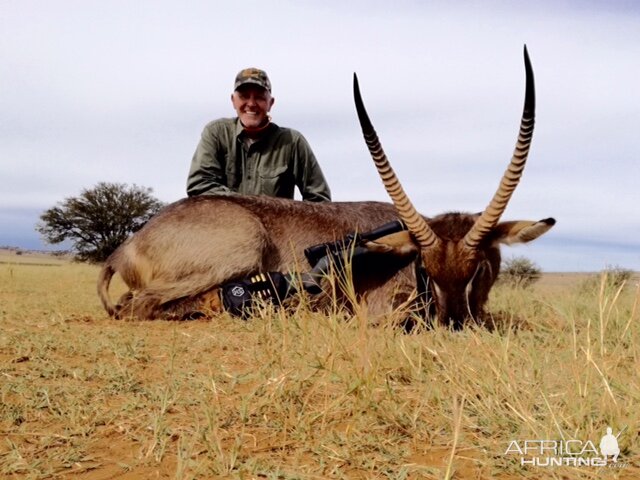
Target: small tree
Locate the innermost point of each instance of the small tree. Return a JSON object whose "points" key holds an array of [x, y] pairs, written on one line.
{"points": [[99, 219], [617, 276], [519, 272], [611, 278]]}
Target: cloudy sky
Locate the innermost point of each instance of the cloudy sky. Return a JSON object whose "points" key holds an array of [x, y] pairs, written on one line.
{"points": [[119, 91]]}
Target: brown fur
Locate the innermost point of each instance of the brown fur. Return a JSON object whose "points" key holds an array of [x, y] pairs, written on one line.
{"points": [[460, 278], [175, 264], [200, 243]]}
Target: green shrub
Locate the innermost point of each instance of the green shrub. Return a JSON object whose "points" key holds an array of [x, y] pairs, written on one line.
{"points": [[519, 272], [612, 278]]}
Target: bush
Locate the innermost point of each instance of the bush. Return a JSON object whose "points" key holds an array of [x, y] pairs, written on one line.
{"points": [[612, 278], [519, 272], [617, 276]]}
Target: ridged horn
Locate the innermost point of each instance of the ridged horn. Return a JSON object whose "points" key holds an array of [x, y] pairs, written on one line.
{"points": [[407, 212], [491, 215]]}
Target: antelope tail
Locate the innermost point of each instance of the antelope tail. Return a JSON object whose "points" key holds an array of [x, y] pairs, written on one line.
{"points": [[104, 279]]}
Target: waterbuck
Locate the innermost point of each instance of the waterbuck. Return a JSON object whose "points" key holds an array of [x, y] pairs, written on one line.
{"points": [[194, 246]]}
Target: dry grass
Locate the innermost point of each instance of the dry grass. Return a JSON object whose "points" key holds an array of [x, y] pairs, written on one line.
{"points": [[305, 395]]}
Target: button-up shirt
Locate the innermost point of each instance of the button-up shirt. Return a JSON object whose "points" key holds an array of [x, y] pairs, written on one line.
{"points": [[273, 164]]}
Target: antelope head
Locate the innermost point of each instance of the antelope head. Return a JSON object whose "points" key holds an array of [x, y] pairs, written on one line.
{"points": [[460, 252]]}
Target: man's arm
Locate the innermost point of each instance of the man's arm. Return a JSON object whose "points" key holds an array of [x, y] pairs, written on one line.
{"points": [[310, 179], [207, 174]]}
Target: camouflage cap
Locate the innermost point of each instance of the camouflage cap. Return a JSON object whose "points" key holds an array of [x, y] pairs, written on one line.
{"points": [[254, 76]]}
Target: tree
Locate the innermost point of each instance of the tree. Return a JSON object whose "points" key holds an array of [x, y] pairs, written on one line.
{"points": [[99, 219], [519, 272]]}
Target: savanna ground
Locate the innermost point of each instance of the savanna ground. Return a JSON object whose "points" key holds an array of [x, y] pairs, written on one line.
{"points": [[305, 395]]}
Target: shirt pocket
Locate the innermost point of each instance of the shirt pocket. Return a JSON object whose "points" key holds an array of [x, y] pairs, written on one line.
{"points": [[276, 182]]}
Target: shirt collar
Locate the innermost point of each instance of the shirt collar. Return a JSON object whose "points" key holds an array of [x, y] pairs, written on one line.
{"points": [[239, 132]]}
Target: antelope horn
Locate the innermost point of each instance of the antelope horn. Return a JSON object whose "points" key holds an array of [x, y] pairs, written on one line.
{"points": [[407, 212], [491, 215]]}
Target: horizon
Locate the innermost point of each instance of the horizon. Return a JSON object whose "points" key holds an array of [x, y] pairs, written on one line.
{"points": [[120, 92]]}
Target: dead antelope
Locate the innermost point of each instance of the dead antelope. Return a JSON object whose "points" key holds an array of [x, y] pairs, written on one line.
{"points": [[198, 244]]}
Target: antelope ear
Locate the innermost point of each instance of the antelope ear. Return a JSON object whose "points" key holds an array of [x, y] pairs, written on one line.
{"points": [[520, 231], [398, 244]]}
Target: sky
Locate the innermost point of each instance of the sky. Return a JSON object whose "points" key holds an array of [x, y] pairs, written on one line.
{"points": [[119, 91]]}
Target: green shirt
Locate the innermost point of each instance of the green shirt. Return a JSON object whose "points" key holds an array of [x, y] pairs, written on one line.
{"points": [[273, 164]]}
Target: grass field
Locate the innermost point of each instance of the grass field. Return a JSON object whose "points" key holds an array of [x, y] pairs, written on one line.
{"points": [[304, 395]]}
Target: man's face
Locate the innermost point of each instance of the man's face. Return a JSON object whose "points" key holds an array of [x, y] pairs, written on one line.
{"points": [[252, 104]]}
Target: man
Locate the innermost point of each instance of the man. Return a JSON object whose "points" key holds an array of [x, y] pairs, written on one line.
{"points": [[250, 154]]}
